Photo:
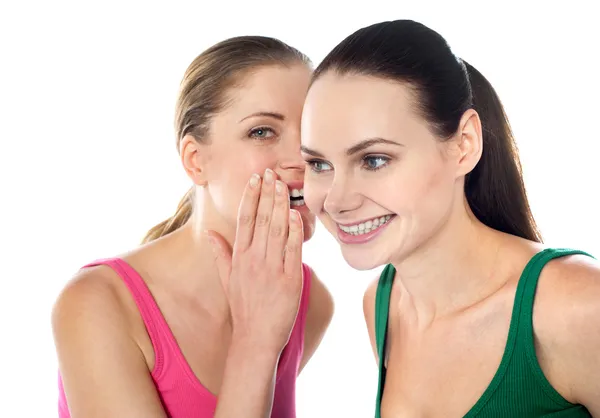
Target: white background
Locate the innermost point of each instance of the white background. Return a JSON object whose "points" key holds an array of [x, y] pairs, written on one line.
{"points": [[88, 162]]}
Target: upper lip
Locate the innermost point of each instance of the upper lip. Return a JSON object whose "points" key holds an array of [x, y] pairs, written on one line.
{"points": [[363, 221], [298, 185]]}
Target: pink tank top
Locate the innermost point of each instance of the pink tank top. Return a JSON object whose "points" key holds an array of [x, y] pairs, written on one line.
{"points": [[181, 393]]}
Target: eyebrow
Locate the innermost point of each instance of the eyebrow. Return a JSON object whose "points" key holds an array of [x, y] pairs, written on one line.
{"points": [[273, 115], [362, 145]]}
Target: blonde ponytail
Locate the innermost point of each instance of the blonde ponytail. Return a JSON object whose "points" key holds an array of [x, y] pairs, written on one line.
{"points": [[182, 215]]}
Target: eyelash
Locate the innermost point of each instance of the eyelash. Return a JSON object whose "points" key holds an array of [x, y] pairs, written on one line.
{"points": [[312, 163], [252, 133], [386, 160]]}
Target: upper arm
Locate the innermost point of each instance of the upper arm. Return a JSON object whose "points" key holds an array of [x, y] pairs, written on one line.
{"points": [[568, 329], [318, 317], [369, 312], [104, 373], [584, 354]]}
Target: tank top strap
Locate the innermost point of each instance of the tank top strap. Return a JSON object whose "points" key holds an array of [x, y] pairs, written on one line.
{"points": [[527, 287], [146, 304], [523, 314], [382, 310]]}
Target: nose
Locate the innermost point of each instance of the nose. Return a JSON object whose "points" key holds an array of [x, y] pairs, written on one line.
{"points": [[341, 197], [290, 157]]}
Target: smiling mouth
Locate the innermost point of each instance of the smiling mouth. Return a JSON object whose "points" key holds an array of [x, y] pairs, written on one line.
{"points": [[366, 227], [296, 197]]}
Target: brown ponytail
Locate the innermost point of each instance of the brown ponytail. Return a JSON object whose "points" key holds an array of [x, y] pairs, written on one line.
{"points": [[202, 95], [182, 215], [495, 188]]}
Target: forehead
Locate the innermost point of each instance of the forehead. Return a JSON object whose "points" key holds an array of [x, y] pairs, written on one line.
{"points": [[354, 107], [276, 88]]}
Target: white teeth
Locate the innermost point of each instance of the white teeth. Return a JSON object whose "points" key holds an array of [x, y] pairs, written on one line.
{"points": [[297, 202], [296, 197], [296, 192], [365, 227]]}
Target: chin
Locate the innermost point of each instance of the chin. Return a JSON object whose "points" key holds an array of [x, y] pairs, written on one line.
{"points": [[361, 260], [308, 224], [308, 229]]}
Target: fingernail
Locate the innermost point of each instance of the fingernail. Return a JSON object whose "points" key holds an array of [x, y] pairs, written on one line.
{"points": [[254, 180], [268, 176], [279, 187], [294, 215]]}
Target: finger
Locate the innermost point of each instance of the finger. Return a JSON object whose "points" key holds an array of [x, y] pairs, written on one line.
{"points": [[247, 214], [222, 253], [292, 264], [278, 231], [264, 214]]}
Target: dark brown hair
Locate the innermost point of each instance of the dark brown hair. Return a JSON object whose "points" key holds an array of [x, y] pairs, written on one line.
{"points": [[446, 87], [203, 91]]}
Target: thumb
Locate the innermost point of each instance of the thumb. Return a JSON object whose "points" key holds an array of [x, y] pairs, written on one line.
{"points": [[222, 252]]}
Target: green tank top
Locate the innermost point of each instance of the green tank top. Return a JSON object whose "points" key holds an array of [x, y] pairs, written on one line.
{"points": [[519, 371]]}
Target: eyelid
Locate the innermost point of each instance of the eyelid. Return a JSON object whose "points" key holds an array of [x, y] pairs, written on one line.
{"points": [[385, 161], [310, 162], [262, 128]]}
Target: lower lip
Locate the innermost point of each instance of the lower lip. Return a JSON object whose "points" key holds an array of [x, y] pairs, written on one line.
{"points": [[363, 238]]}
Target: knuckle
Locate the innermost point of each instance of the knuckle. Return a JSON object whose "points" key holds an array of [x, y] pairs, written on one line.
{"points": [[292, 248], [262, 219], [245, 220], [276, 231], [281, 200]]}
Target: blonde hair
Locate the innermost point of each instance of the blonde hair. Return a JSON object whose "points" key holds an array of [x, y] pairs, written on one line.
{"points": [[202, 95]]}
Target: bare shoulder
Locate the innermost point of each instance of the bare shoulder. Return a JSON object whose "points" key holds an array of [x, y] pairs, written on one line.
{"points": [[369, 312], [318, 317], [90, 304], [567, 327], [103, 369], [320, 305], [91, 292], [568, 294], [369, 298], [320, 298]]}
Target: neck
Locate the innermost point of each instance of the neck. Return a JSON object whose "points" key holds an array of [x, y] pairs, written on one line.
{"points": [[185, 260], [453, 271]]}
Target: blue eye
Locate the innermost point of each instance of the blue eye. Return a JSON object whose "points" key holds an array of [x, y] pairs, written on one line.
{"points": [[261, 133], [375, 162], [319, 166]]}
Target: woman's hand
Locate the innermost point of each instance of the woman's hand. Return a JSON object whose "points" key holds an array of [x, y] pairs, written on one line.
{"points": [[262, 277]]}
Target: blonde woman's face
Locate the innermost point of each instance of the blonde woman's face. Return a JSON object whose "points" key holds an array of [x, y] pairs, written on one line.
{"points": [[259, 129]]}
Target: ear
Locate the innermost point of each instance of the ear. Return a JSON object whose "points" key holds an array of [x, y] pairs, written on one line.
{"points": [[469, 141], [193, 160]]}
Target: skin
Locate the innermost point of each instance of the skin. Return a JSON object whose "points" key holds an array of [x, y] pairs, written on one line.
{"points": [[456, 278], [97, 328]]}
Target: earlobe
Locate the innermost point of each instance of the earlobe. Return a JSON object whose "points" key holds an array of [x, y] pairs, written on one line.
{"points": [[470, 141], [189, 150]]}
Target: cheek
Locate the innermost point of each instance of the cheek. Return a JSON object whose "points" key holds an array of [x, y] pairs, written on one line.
{"points": [[415, 191], [315, 193], [432, 195], [229, 177]]}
